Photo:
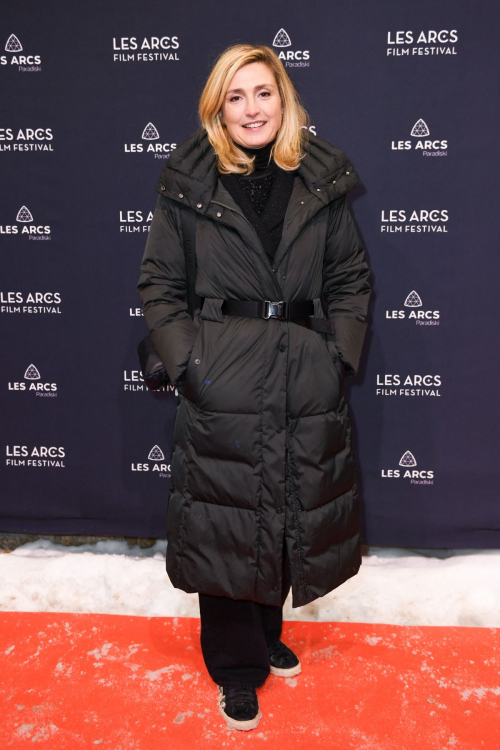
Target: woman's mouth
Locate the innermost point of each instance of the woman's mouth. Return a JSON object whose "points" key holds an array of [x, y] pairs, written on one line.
{"points": [[255, 126]]}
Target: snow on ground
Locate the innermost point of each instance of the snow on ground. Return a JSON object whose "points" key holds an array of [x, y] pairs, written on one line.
{"points": [[393, 586]]}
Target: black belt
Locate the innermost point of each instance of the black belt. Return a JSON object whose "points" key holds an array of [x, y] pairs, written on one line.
{"points": [[298, 311]]}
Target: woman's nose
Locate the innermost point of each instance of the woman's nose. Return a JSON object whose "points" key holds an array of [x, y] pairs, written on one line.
{"points": [[252, 108]]}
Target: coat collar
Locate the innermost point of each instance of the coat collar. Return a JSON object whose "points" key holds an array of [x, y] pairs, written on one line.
{"points": [[191, 171], [190, 177]]}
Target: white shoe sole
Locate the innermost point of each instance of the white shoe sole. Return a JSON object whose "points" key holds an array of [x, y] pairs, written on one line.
{"points": [[287, 672], [244, 725]]}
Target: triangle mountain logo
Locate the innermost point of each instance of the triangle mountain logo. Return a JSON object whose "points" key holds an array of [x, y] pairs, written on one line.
{"points": [[407, 459], [420, 129], [24, 215], [32, 373], [156, 454], [13, 44], [413, 300], [282, 39], [150, 133]]}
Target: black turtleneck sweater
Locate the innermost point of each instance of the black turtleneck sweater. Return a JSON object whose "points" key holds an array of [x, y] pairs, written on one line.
{"points": [[263, 195], [257, 185]]}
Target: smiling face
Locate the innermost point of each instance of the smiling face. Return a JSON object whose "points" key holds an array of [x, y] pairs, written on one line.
{"points": [[252, 97]]}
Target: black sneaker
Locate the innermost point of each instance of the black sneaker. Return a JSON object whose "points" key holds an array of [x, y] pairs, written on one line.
{"points": [[283, 661], [239, 706]]}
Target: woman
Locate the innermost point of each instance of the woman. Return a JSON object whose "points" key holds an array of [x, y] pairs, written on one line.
{"points": [[263, 493]]}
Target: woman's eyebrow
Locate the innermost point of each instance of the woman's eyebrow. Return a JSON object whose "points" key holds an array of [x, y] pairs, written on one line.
{"points": [[260, 86]]}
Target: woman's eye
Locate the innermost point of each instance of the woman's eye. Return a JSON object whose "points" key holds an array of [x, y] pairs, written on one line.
{"points": [[238, 97]]}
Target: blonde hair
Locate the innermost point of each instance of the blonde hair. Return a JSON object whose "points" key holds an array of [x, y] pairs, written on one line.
{"points": [[288, 150]]}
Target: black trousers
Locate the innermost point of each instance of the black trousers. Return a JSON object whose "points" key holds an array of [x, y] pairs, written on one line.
{"points": [[235, 633]]}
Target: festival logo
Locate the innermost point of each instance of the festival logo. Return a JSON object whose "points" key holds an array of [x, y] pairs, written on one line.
{"points": [[399, 221], [26, 139], [422, 43], [424, 144], [16, 57], [291, 58], [409, 470], [33, 383], [150, 135], [393, 384], [32, 303], [130, 49], [134, 222], [26, 227], [415, 313], [42, 456], [155, 463], [133, 382]]}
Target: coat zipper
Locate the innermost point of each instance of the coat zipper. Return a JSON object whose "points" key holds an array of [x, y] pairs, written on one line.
{"points": [[274, 270]]}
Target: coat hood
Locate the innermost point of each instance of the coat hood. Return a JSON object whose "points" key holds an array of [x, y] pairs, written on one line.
{"points": [[191, 176]]}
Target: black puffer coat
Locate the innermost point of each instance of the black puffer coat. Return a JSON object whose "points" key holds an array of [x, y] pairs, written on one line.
{"points": [[262, 451]]}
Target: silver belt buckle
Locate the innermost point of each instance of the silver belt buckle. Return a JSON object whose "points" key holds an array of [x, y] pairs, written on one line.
{"points": [[274, 309]]}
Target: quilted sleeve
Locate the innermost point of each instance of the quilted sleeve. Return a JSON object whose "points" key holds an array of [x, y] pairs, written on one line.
{"points": [[162, 289], [345, 284]]}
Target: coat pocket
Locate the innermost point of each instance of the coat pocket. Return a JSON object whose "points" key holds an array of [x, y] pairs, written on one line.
{"points": [[203, 354], [333, 354]]}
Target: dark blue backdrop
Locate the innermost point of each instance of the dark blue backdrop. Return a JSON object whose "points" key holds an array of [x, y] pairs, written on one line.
{"points": [[95, 97]]}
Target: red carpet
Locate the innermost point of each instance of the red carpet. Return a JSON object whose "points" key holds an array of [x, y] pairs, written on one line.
{"points": [[106, 681]]}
